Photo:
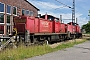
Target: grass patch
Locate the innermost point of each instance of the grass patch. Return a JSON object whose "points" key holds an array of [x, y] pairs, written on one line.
{"points": [[26, 52]]}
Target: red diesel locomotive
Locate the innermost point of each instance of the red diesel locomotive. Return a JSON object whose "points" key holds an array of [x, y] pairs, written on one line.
{"points": [[46, 28]]}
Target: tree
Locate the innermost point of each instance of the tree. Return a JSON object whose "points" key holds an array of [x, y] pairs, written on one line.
{"points": [[86, 27]]}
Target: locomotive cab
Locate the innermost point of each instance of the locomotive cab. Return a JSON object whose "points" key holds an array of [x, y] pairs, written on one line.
{"points": [[19, 24]]}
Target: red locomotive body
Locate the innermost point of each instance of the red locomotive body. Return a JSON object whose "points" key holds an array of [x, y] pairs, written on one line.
{"points": [[33, 25], [63, 28], [20, 27], [71, 27], [78, 29], [46, 27], [36, 25], [30, 25], [74, 28], [56, 27], [19, 24], [50, 26]]}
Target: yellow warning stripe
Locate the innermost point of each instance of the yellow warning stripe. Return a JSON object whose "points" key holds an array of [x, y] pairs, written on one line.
{"points": [[15, 31]]}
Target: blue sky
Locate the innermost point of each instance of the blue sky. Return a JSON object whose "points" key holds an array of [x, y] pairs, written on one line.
{"points": [[56, 9]]}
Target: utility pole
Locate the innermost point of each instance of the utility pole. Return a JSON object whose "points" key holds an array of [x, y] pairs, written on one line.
{"points": [[73, 12], [61, 18], [76, 20], [73, 9]]}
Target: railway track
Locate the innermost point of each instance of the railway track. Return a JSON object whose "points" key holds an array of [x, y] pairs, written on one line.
{"points": [[86, 35]]}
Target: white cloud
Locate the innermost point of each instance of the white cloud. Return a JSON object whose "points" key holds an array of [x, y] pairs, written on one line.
{"points": [[81, 21]]}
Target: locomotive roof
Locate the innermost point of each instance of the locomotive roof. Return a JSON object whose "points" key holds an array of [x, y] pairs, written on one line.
{"points": [[50, 16], [72, 23]]}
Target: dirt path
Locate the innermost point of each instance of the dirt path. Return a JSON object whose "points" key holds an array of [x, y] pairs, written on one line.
{"points": [[59, 43]]}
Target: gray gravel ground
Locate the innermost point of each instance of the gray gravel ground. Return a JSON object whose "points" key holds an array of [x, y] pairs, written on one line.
{"points": [[78, 52]]}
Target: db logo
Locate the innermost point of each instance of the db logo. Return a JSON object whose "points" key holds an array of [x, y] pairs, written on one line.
{"points": [[45, 23]]}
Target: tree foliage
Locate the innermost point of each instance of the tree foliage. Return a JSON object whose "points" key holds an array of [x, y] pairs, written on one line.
{"points": [[86, 27]]}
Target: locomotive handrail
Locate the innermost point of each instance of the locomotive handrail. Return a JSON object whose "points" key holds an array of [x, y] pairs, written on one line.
{"points": [[7, 42], [15, 30]]}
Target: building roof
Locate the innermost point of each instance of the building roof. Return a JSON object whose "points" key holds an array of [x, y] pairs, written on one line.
{"points": [[32, 5]]}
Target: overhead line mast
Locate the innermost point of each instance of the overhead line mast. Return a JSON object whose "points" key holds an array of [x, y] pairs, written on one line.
{"points": [[73, 9], [73, 12]]}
